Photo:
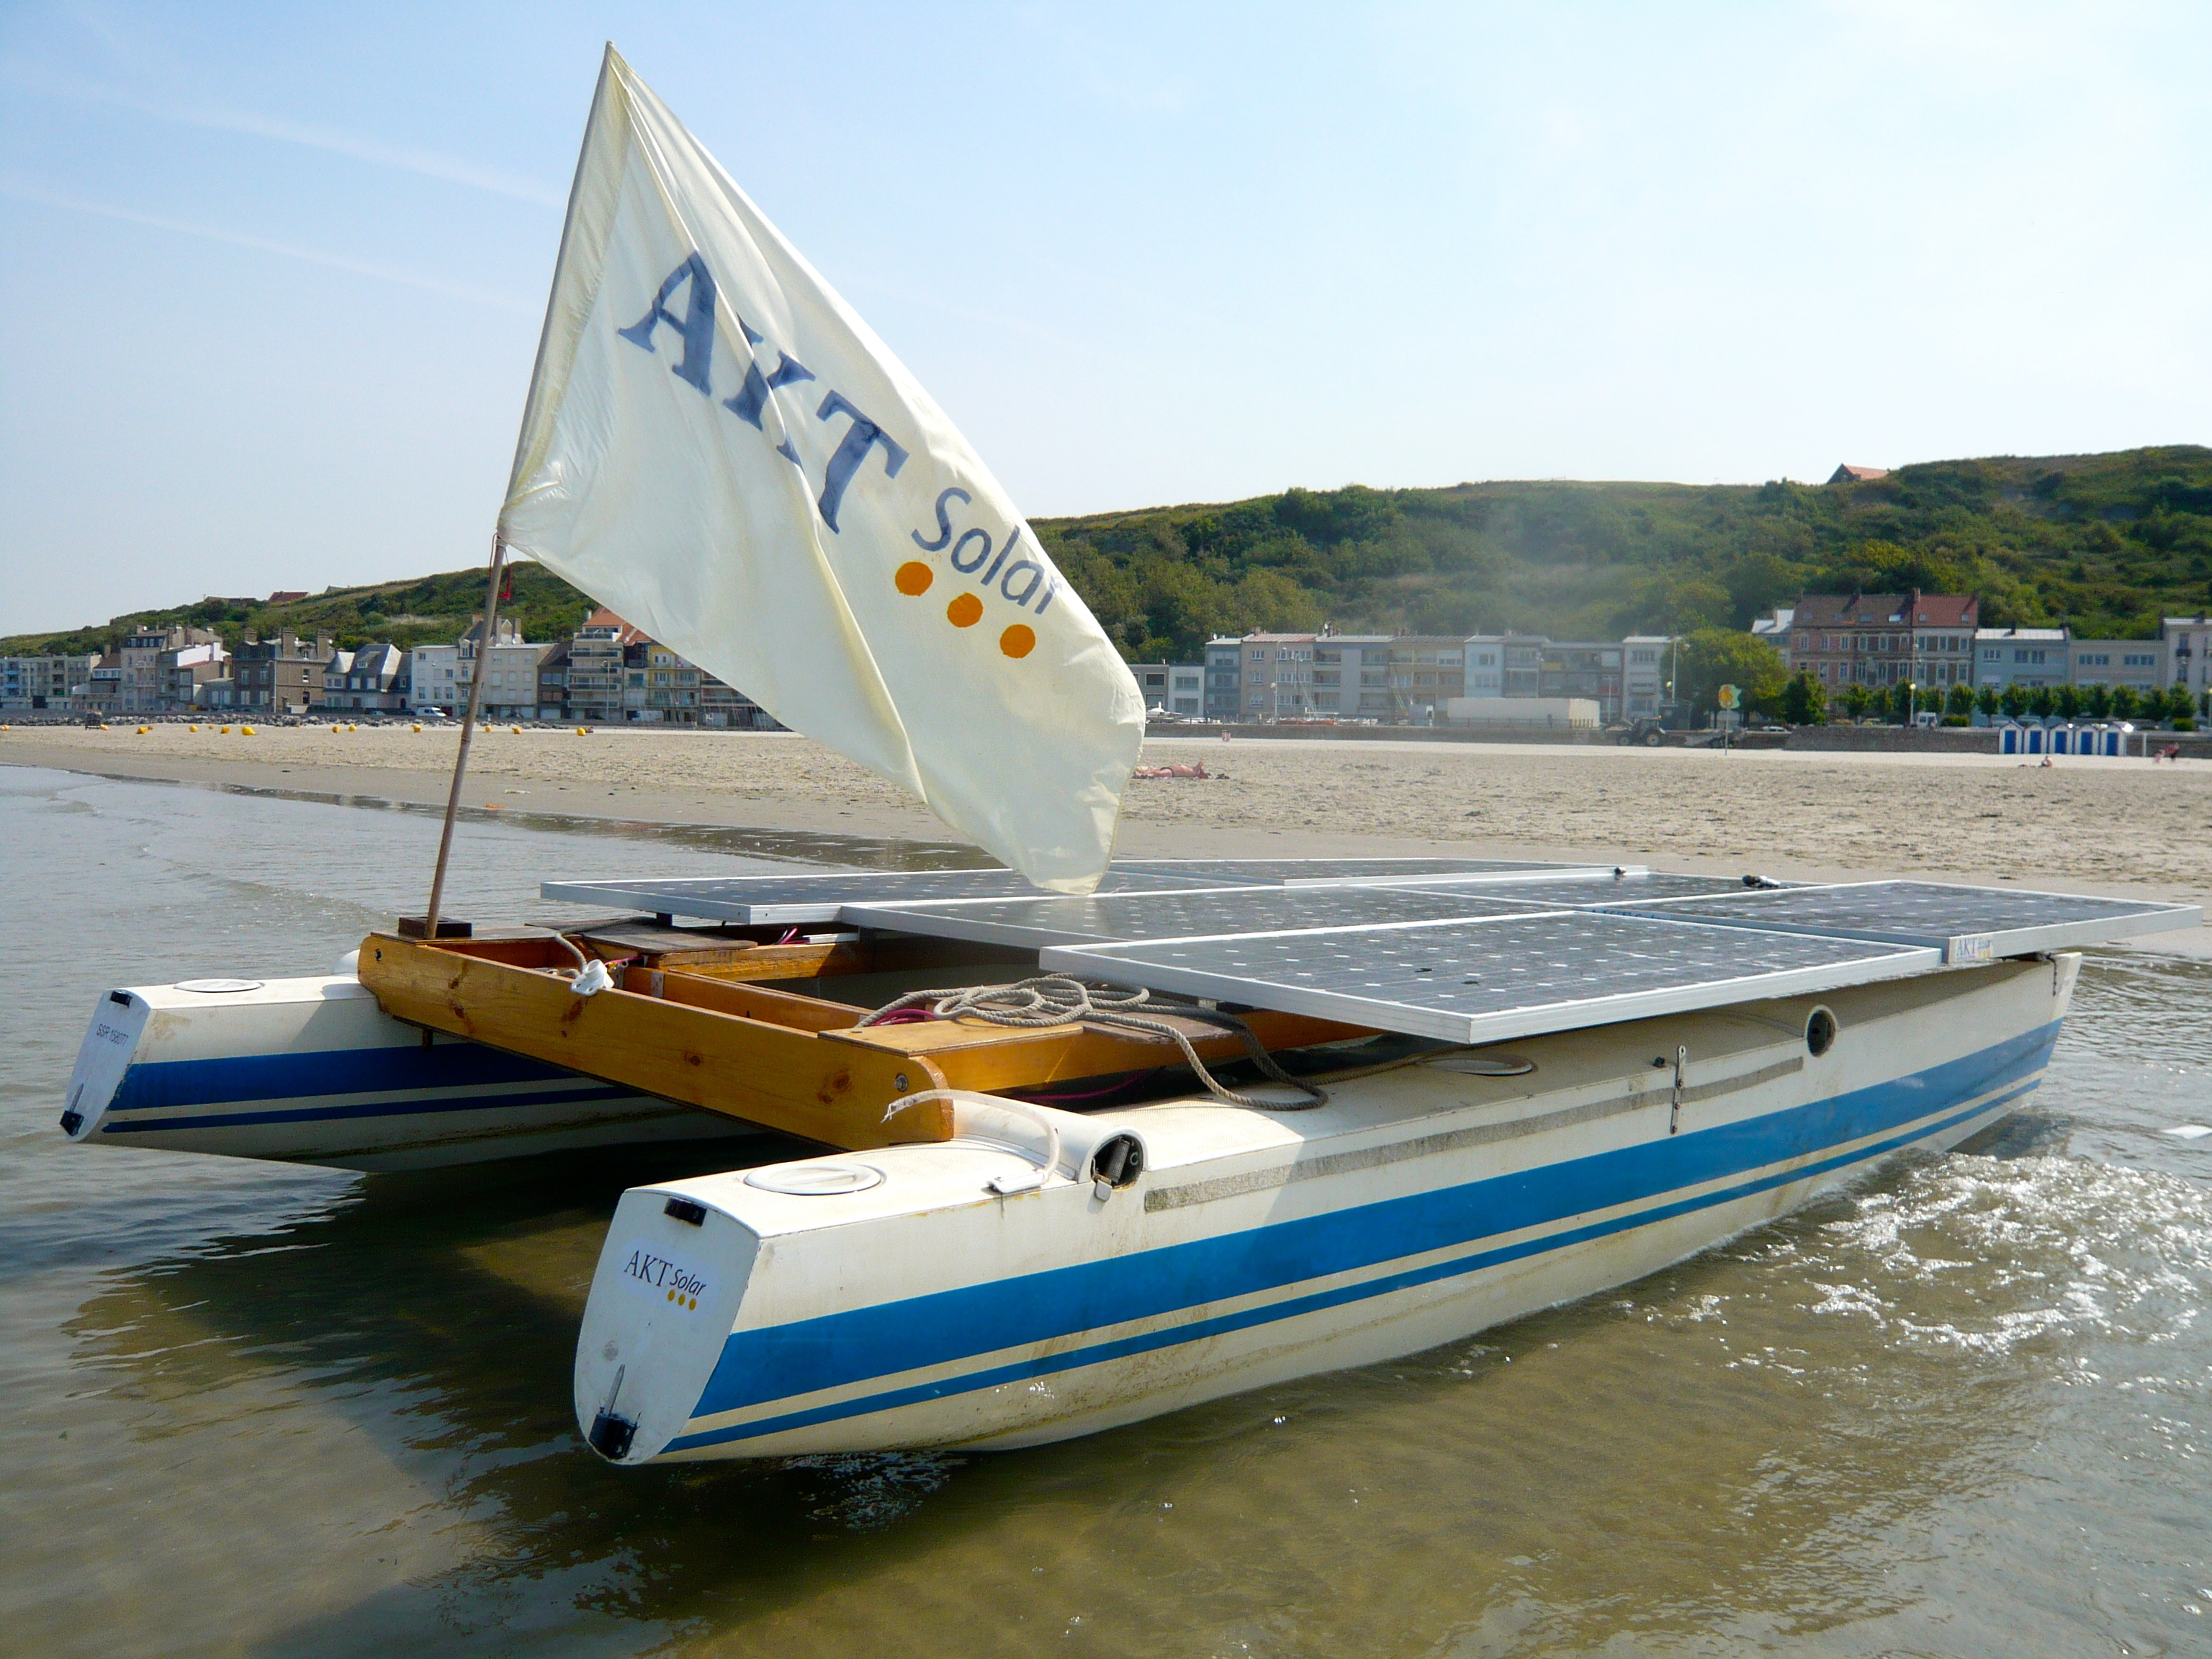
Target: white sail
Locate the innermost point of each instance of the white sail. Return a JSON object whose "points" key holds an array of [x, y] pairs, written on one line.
{"points": [[718, 447]]}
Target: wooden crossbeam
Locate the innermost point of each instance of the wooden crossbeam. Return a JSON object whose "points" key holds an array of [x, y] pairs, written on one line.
{"points": [[776, 1075]]}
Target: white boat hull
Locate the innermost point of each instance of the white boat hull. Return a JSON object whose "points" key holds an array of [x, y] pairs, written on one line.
{"points": [[1421, 1206], [311, 1071]]}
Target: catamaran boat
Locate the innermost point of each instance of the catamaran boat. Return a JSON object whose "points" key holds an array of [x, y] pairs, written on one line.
{"points": [[1060, 1194], [1100, 1138]]}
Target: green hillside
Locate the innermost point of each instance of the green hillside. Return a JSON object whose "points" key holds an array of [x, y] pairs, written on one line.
{"points": [[407, 613], [2105, 542]]}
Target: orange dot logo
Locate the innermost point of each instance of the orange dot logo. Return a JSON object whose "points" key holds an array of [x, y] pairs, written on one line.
{"points": [[914, 578], [965, 612], [1017, 641]]}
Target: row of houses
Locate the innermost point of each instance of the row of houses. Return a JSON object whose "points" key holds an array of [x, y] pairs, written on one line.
{"points": [[1402, 678], [608, 672], [1880, 640]]}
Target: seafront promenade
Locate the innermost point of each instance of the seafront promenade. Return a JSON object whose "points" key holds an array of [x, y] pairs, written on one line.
{"points": [[2082, 824]]}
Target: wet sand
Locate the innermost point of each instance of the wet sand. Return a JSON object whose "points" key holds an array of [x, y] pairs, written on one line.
{"points": [[2079, 825]]}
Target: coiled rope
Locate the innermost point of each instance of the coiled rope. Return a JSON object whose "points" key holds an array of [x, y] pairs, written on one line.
{"points": [[1054, 999]]}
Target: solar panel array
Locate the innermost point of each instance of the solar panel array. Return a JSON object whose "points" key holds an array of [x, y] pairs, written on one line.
{"points": [[1034, 923], [812, 896], [1464, 949], [1487, 980]]}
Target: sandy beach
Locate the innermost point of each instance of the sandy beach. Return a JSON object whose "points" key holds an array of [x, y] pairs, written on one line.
{"points": [[2079, 824]]}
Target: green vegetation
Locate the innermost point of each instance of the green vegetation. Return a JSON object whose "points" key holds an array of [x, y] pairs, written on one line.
{"points": [[406, 613], [1709, 658], [1805, 700], [2105, 542]]}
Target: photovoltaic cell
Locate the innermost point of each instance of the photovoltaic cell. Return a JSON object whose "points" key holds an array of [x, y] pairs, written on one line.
{"points": [[1968, 924], [1271, 872], [816, 896], [1579, 888], [812, 897], [1487, 980], [1034, 923]]}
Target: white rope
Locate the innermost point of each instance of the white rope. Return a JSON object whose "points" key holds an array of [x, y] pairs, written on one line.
{"points": [[1056, 1000]]}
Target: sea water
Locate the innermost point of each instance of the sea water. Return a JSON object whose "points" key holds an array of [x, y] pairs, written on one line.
{"points": [[1964, 1409]]}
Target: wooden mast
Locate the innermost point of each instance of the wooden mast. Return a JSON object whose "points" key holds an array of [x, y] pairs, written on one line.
{"points": [[468, 732]]}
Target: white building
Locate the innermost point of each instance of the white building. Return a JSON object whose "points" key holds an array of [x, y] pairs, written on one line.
{"points": [[1187, 689], [2020, 656], [2185, 642], [438, 675], [1172, 688], [1485, 664], [433, 679], [2132, 663], [1644, 675]]}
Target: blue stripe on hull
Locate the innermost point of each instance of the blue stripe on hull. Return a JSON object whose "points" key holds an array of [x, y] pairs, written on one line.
{"points": [[166, 1084], [1145, 1342], [779, 1361], [373, 1109]]}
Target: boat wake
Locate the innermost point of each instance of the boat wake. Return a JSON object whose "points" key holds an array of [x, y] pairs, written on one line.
{"points": [[1992, 1254]]}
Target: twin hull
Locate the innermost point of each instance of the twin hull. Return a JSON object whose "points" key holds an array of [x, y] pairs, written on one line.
{"points": [[728, 1320], [312, 1070]]}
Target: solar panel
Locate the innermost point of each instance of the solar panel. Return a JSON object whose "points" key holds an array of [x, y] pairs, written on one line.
{"points": [[1290, 871], [1483, 980], [1968, 924], [1578, 887], [1034, 923], [815, 897]]}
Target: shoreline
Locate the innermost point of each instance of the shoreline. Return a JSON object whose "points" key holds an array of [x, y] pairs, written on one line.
{"points": [[2090, 826]]}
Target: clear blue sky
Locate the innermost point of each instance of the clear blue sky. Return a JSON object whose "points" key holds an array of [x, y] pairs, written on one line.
{"points": [[272, 276]]}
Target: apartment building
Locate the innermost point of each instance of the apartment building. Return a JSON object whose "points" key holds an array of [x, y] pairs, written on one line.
{"points": [[1277, 676], [146, 679], [283, 675], [2132, 663], [58, 684], [1943, 628], [439, 676], [190, 675], [1173, 688], [1225, 678], [2028, 657], [373, 679], [1352, 677], [595, 672], [553, 682], [1644, 671], [1587, 669], [2186, 643], [1427, 670], [1877, 639]]}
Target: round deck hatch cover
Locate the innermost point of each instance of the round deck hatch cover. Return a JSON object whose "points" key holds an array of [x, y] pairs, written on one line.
{"points": [[816, 1180], [215, 987]]}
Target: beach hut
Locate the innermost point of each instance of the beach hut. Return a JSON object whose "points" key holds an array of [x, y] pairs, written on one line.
{"points": [[2009, 741]]}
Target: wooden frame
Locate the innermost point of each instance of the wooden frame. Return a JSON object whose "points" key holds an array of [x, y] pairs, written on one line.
{"points": [[695, 1020]]}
